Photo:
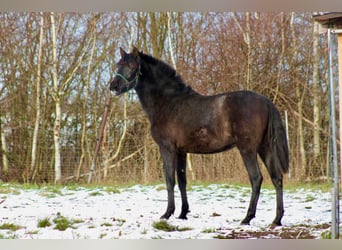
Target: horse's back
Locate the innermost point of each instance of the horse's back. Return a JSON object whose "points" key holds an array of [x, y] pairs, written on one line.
{"points": [[248, 114]]}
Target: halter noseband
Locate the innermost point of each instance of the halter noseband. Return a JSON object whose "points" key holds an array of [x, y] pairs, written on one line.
{"points": [[128, 83]]}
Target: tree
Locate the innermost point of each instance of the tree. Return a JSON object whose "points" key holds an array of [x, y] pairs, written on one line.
{"points": [[38, 98], [316, 94], [57, 99], [275, 54], [92, 29]]}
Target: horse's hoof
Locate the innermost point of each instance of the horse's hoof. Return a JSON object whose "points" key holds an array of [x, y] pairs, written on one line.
{"points": [[165, 216], [182, 217], [275, 224], [247, 219], [244, 222]]}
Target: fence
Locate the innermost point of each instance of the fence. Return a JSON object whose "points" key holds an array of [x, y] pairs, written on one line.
{"points": [[137, 162], [135, 159]]}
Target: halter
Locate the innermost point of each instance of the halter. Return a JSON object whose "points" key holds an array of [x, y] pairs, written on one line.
{"points": [[128, 83]]}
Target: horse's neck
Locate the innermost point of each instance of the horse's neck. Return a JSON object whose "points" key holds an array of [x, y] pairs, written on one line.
{"points": [[156, 91], [151, 100]]}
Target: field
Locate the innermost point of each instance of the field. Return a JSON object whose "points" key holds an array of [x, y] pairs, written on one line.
{"points": [[108, 212]]}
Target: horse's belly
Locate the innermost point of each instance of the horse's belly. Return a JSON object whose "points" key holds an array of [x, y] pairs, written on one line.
{"points": [[202, 149], [204, 142]]}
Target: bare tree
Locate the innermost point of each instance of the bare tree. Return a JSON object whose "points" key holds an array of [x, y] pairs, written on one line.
{"points": [[299, 96], [246, 32], [92, 29], [38, 98], [57, 99], [316, 93], [119, 146], [270, 53], [4, 150], [61, 85], [170, 40]]}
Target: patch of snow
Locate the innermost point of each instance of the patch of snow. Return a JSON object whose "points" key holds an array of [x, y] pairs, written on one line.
{"points": [[130, 213]]}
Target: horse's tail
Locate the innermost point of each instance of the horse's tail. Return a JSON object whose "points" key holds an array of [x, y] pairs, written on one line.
{"points": [[277, 142]]}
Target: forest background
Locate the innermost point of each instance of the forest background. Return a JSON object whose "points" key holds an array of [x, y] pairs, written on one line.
{"points": [[55, 70]]}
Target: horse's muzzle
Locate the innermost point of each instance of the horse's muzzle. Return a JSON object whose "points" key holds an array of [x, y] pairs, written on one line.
{"points": [[114, 85]]}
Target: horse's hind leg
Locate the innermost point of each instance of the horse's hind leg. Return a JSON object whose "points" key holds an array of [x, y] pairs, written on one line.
{"points": [[278, 183], [181, 177], [250, 159], [277, 180]]}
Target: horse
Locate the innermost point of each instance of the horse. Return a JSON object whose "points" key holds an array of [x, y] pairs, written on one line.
{"points": [[183, 121]]}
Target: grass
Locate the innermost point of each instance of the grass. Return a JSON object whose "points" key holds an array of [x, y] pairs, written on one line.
{"points": [[44, 222], [119, 222], [112, 190], [3, 237], [309, 198], [96, 193], [290, 186], [167, 227], [220, 237], [209, 230], [326, 235], [106, 224], [62, 223], [9, 226], [9, 190]]}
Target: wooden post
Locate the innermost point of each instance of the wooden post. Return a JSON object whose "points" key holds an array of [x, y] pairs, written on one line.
{"points": [[99, 139], [332, 98], [340, 93], [340, 117]]}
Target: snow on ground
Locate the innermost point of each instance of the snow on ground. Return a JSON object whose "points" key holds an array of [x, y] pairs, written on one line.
{"points": [[129, 213]]}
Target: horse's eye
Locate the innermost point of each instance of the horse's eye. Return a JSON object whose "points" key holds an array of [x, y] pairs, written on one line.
{"points": [[132, 65], [121, 62]]}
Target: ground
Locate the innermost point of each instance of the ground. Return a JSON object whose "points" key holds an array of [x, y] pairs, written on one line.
{"points": [[133, 212]]}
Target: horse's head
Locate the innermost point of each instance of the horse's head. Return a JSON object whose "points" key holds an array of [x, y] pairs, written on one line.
{"points": [[128, 71]]}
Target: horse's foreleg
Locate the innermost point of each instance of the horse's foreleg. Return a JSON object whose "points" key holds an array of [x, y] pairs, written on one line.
{"points": [[169, 172], [181, 176], [255, 177]]}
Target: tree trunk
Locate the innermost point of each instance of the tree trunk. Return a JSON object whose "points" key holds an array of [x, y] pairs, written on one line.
{"points": [[146, 161], [281, 60], [56, 96], [85, 103], [316, 96], [3, 147], [38, 96], [246, 37], [299, 96], [170, 40]]}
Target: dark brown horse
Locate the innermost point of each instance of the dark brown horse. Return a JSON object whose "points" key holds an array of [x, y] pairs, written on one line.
{"points": [[183, 121]]}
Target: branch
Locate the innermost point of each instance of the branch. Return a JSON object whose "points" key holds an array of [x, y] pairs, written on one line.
{"points": [[123, 133], [77, 66], [110, 167]]}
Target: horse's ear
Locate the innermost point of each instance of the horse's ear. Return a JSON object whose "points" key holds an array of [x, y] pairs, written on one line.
{"points": [[122, 52], [135, 52]]}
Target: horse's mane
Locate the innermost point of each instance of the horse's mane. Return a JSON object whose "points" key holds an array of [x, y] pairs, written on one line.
{"points": [[168, 71]]}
